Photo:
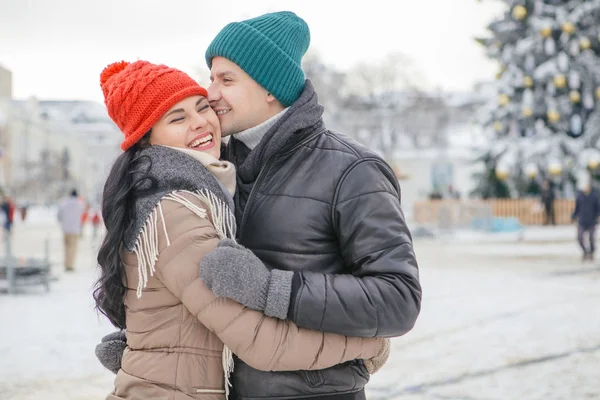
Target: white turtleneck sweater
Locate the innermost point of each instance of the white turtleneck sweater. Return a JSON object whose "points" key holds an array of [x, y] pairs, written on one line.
{"points": [[251, 137]]}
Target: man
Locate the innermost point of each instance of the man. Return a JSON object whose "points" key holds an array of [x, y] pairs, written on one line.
{"points": [[453, 193], [319, 210], [70, 212], [587, 210], [548, 198], [8, 207], [320, 214]]}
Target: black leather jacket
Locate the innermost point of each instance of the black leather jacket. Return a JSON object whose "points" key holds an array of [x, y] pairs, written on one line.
{"points": [[328, 208]]}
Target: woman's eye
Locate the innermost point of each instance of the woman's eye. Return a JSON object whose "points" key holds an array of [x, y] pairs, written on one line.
{"points": [[202, 109], [177, 120]]}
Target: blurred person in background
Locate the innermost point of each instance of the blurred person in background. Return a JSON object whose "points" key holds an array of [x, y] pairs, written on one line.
{"points": [[547, 198], [70, 212], [96, 220], [586, 213], [8, 209]]}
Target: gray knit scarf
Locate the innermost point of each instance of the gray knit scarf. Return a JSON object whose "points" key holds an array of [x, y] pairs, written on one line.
{"points": [[171, 171]]}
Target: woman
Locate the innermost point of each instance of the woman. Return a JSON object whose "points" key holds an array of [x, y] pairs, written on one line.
{"points": [[167, 202]]}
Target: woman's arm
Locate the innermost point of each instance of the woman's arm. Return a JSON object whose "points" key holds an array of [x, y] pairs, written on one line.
{"points": [[262, 342]]}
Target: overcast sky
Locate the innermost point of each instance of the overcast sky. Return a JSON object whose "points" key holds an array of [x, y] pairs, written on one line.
{"points": [[57, 48]]}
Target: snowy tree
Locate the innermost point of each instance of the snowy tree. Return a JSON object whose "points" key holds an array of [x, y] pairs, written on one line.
{"points": [[545, 118], [380, 103], [329, 84]]}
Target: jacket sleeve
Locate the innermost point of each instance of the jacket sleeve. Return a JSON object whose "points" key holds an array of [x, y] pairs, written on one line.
{"points": [[575, 213], [381, 296], [262, 342]]}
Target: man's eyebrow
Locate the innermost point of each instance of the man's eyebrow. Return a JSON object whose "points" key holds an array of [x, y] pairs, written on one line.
{"points": [[224, 73]]}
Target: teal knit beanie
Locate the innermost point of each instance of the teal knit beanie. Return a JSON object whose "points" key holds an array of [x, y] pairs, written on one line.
{"points": [[269, 48]]}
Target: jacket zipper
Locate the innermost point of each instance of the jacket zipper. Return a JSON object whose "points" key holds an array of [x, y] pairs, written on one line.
{"points": [[258, 180], [209, 391]]}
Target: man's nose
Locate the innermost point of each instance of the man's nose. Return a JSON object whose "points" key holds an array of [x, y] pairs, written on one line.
{"points": [[214, 94]]}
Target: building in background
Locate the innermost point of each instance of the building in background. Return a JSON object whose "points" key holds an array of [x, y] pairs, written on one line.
{"points": [[5, 83], [49, 147]]}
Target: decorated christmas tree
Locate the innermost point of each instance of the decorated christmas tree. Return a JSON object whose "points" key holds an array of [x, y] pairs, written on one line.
{"points": [[544, 121]]}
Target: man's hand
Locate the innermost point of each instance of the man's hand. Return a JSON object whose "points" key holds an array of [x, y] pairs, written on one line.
{"points": [[110, 350], [233, 271]]}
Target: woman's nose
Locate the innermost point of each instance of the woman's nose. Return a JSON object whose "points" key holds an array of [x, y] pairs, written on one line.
{"points": [[198, 121]]}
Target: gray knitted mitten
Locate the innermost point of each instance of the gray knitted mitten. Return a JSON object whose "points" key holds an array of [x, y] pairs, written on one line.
{"points": [[110, 350], [233, 271]]}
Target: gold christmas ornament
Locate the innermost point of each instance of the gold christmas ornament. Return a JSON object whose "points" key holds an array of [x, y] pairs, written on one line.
{"points": [[575, 96], [546, 32], [519, 12], [560, 81], [498, 126], [500, 71], [568, 27], [501, 174], [527, 112], [585, 43], [503, 100], [528, 81], [593, 164], [531, 170], [553, 116], [555, 169]]}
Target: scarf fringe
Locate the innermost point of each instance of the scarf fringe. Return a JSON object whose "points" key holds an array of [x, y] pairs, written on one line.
{"points": [[146, 246], [227, 359]]}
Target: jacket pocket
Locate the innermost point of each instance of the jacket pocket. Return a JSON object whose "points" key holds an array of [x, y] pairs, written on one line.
{"points": [[314, 378]]}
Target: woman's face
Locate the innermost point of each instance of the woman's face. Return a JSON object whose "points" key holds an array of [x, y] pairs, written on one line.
{"points": [[190, 124]]}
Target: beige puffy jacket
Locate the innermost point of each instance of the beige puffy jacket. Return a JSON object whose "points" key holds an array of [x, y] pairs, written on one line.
{"points": [[177, 327]]}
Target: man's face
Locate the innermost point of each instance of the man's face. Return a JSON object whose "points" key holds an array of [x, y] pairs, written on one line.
{"points": [[240, 102]]}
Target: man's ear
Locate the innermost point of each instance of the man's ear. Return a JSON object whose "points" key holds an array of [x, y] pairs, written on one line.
{"points": [[270, 98]]}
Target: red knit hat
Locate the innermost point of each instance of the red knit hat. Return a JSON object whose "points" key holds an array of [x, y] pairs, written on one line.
{"points": [[138, 94]]}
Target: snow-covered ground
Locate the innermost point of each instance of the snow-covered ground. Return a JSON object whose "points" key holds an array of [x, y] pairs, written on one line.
{"points": [[501, 320]]}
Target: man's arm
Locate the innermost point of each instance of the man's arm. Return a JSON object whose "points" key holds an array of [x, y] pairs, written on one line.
{"points": [[382, 295], [576, 210]]}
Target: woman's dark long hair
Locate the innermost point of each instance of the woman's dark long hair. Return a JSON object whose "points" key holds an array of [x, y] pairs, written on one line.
{"points": [[118, 212]]}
